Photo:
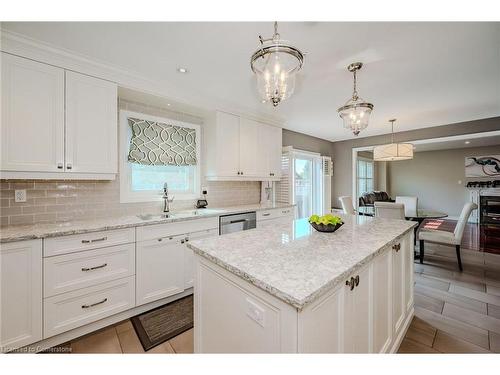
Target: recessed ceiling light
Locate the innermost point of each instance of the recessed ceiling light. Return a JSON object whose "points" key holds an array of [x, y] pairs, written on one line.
{"points": [[168, 104], [467, 142], [182, 70]]}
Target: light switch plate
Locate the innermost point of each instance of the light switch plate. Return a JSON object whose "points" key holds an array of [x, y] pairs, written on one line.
{"points": [[19, 196]]}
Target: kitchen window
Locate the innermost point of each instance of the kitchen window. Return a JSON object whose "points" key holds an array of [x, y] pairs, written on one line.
{"points": [[155, 150], [365, 176]]}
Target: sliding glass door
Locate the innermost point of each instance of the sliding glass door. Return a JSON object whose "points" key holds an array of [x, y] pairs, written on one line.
{"points": [[308, 185]]}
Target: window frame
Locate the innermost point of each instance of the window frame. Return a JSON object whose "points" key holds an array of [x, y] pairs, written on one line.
{"points": [[125, 170], [365, 160]]}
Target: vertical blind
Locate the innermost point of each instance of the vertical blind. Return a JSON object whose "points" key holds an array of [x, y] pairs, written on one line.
{"points": [[157, 143]]}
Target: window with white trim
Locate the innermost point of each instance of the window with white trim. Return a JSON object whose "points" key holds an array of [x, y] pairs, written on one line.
{"points": [[155, 150], [365, 176]]}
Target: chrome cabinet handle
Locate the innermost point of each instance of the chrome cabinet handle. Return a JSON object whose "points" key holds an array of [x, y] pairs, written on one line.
{"points": [[59, 166], [94, 304], [86, 269], [266, 214], [95, 240], [69, 166], [161, 239], [186, 239]]}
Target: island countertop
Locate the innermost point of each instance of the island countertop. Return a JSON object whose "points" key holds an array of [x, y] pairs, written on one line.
{"points": [[295, 263]]}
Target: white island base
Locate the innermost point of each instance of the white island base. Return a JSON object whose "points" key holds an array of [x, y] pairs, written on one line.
{"points": [[234, 316]]}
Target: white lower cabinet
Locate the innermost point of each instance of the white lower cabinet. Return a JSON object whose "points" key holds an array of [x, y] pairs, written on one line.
{"points": [[21, 294], [75, 309], [370, 316], [189, 255], [357, 312], [159, 268]]}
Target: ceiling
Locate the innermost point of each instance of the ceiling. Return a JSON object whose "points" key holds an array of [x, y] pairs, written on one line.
{"points": [[425, 74]]}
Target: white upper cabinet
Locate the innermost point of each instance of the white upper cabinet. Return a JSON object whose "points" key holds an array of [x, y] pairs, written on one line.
{"points": [[32, 129], [249, 148], [226, 145], [56, 122], [242, 149], [91, 125]]}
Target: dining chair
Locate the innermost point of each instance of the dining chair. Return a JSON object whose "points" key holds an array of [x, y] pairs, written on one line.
{"points": [[347, 205], [410, 204], [389, 210], [448, 238]]}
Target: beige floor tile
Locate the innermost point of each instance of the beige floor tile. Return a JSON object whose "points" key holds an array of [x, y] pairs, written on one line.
{"points": [[480, 296], [428, 303], [494, 311], [456, 299], [164, 348], [183, 343], [124, 326], [431, 282], [129, 342], [450, 344], [422, 336], [409, 346], [471, 317], [493, 290], [105, 341], [494, 342], [454, 327]]}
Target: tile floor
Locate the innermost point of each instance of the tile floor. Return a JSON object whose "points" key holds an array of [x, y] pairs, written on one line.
{"points": [[455, 312]]}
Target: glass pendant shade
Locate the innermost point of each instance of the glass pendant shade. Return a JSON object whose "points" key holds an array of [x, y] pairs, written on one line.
{"points": [[275, 65], [393, 151], [356, 112]]}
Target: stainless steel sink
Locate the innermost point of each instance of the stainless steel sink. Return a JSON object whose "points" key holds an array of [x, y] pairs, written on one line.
{"points": [[180, 214], [156, 217]]}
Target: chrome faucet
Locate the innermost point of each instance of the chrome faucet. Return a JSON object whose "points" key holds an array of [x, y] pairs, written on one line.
{"points": [[166, 199]]}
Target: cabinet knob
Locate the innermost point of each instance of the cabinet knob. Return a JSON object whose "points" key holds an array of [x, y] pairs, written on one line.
{"points": [[239, 172], [69, 166], [242, 173], [356, 280], [350, 283], [59, 166], [396, 247]]}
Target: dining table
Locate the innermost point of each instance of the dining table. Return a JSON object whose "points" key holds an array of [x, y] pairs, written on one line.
{"points": [[422, 214]]}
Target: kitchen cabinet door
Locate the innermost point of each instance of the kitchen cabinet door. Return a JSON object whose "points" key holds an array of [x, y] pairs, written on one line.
{"points": [[21, 294], [249, 148], [91, 125], [227, 145], [189, 255], [32, 127], [382, 302], [159, 268], [398, 287], [274, 146], [358, 314], [407, 249]]}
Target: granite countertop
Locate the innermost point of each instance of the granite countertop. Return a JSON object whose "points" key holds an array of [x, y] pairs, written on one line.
{"points": [[14, 233], [294, 262]]}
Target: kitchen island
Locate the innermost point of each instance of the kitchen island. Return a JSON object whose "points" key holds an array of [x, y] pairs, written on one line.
{"points": [[284, 287]]}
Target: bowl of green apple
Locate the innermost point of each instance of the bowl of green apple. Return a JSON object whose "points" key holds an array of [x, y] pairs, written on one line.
{"points": [[326, 223]]}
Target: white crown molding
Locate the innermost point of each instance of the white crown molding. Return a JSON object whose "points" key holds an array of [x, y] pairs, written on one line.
{"points": [[21, 45]]}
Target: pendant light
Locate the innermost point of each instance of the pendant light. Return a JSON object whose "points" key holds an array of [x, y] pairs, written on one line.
{"points": [[275, 64], [355, 112], [393, 151]]}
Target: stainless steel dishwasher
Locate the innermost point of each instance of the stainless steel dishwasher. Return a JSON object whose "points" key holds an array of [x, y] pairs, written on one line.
{"points": [[236, 222]]}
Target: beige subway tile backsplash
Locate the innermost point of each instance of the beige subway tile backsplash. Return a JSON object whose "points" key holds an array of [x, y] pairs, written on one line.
{"points": [[59, 201]]}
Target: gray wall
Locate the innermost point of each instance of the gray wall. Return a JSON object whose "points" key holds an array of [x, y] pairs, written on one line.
{"points": [[437, 178], [342, 150], [306, 142]]}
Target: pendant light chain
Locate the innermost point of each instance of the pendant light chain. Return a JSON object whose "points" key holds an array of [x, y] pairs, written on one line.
{"points": [[355, 91]]}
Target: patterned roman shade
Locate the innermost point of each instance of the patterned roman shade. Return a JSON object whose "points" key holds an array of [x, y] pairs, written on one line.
{"points": [[156, 143]]}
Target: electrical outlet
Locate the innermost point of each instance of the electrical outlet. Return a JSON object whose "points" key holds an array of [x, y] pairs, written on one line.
{"points": [[255, 312], [20, 196]]}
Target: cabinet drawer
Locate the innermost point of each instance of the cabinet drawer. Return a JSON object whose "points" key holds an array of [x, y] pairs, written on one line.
{"points": [[173, 229], [87, 241], [74, 309], [64, 273], [274, 213]]}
